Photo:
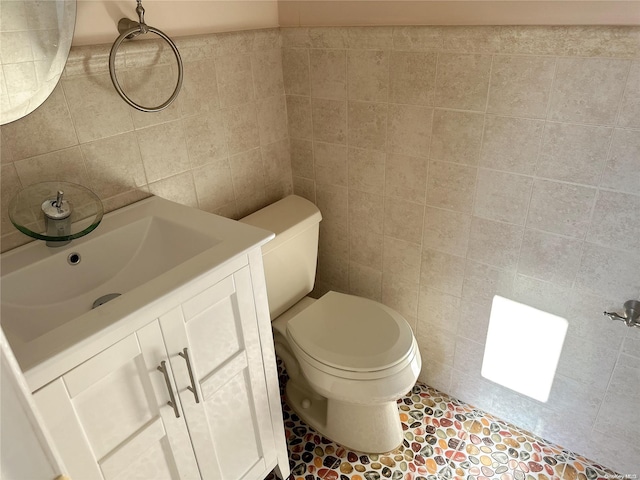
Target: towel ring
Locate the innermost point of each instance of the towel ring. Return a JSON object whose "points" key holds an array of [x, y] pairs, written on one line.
{"points": [[129, 29]]}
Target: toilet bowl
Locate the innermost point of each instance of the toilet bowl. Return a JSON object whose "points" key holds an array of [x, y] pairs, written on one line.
{"points": [[348, 358]]}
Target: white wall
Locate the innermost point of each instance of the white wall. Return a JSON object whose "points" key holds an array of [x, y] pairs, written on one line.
{"points": [[97, 20]]}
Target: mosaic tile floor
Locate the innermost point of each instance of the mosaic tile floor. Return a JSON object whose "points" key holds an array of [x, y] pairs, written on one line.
{"points": [[443, 439]]}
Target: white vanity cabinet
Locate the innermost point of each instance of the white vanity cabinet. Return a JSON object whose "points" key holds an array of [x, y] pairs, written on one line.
{"points": [[206, 413]]}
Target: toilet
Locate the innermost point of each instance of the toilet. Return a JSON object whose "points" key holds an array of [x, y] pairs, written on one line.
{"points": [[348, 358]]}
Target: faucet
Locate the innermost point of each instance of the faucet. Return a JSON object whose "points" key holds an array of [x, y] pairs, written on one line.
{"points": [[631, 312], [57, 219]]}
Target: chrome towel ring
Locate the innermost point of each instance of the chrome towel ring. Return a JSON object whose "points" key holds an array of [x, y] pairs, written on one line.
{"points": [[130, 29]]}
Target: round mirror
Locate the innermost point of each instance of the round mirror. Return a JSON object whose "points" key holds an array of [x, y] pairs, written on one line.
{"points": [[35, 38]]}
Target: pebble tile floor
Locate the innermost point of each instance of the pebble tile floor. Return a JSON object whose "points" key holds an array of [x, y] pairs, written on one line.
{"points": [[444, 439]]}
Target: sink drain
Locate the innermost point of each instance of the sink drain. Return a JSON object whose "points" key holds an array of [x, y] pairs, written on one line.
{"points": [[104, 299]]}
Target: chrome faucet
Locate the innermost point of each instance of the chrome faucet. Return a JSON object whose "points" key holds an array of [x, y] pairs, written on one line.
{"points": [[57, 219], [631, 312]]}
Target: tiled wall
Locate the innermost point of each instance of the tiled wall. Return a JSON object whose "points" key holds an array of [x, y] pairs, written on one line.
{"points": [[221, 146], [454, 163]]}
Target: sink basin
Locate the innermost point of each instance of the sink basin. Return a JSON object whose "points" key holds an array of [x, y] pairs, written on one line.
{"points": [[143, 252]]}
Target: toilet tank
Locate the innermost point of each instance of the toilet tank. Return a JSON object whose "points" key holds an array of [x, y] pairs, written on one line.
{"points": [[290, 259]]}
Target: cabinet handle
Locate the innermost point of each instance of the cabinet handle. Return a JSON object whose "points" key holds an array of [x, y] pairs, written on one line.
{"points": [[172, 401], [185, 354]]}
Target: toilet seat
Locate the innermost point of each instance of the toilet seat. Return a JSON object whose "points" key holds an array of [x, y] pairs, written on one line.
{"points": [[352, 337]]}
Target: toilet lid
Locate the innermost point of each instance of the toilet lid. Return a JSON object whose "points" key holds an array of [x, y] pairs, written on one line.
{"points": [[351, 333]]}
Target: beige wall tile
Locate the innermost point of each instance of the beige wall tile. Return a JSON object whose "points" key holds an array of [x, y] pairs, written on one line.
{"points": [[368, 75], [586, 365], [502, 196], [247, 173], [457, 136], [608, 272], [163, 150], [521, 86], [584, 313], [630, 113], [127, 198], [266, 38], [403, 220], [330, 163], [96, 108], [276, 161], [578, 95], [267, 73], [574, 153], [213, 185], [205, 137], [328, 73], [329, 120], [295, 71], [406, 177], [329, 37], [622, 171], [9, 187], [64, 165], [468, 356], [368, 125], [615, 221], [446, 231], [114, 165], [6, 155], [365, 281], [179, 189], [149, 87], [462, 81], [412, 77], [402, 259], [235, 80], [380, 37], [295, 37], [451, 186], [561, 208], [302, 158], [332, 201], [442, 272], [436, 344], [199, 93], [482, 282], [305, 188], [299, 117], [277, 190], [409, 129], [242, 129], [365, 247], [549, 257], [400, 295], [248, 204], [495, 243], [366, 170], [438, 310], [51, 124], [412, 38], [272, 119], [366, 212], [501, 134]]}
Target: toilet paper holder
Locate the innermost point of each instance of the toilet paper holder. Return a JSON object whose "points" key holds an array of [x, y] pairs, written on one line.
{"points": [[631, 314]]}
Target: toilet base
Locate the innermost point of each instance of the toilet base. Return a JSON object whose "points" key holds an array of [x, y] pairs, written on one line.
{"points": [[363, 428]]}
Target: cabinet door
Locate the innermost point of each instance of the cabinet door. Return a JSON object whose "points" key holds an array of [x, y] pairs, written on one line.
{"points": [[232, 417], [110, 418]]}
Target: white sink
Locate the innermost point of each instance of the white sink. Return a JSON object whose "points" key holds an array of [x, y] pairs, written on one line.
{"points": [[143, 251]]}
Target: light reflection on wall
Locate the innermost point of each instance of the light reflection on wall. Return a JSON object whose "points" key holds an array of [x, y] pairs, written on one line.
{"points": [[523, 347]]}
